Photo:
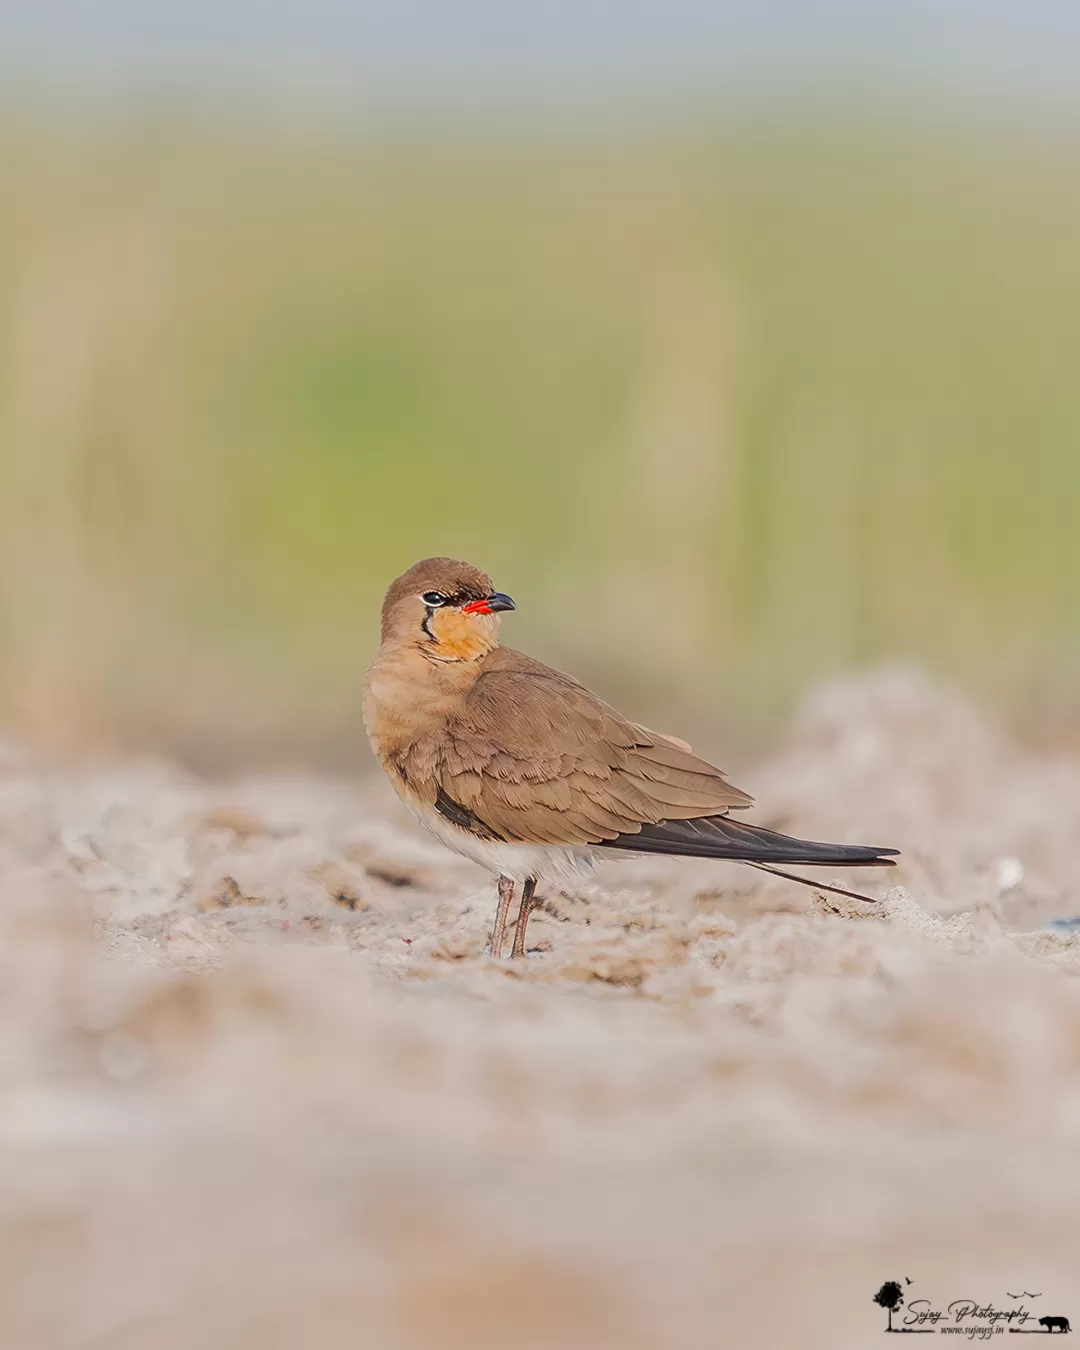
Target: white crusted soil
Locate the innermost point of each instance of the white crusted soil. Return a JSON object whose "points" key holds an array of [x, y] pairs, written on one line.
{"points": [[260, 1087]]}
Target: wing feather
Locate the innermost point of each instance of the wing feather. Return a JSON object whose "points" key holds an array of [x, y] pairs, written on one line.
{"points": [[533, 757]]}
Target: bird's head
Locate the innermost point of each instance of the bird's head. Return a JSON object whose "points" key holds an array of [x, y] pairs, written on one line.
{"points": [[446, 608]]}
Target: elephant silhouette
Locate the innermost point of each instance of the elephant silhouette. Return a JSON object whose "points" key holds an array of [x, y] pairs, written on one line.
{"points": [[1055, 1323]]}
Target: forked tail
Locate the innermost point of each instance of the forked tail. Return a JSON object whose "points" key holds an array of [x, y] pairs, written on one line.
{"points": [[722, 837]]}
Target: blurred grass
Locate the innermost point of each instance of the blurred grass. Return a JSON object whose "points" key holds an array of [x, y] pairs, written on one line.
{"points": [[725, 409]]}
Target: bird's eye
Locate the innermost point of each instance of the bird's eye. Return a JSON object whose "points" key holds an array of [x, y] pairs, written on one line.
{"points": [[434, 598]]}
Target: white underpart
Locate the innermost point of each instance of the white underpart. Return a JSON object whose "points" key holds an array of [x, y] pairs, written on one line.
{"points": [[553, 865]]}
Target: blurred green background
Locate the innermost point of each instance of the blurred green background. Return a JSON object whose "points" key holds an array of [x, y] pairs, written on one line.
{"points": [[727, 403]]}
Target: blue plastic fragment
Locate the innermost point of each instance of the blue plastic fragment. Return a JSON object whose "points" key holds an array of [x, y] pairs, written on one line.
{"points": [[1064, 926]]}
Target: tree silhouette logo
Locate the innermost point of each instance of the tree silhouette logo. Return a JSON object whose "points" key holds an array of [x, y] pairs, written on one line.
{"points": [[890, 1296]]}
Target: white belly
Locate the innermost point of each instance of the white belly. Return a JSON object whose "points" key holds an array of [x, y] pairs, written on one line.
{"points": [[551, 864]]}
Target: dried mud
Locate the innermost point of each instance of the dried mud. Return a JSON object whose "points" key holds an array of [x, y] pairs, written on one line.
{"points": [[262, 1088]]}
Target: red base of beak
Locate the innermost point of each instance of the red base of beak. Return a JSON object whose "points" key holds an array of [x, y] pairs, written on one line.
{"points": [[491, 604]]}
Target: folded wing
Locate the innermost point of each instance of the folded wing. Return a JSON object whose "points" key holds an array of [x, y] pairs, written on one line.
{"points": [[533, 756]]}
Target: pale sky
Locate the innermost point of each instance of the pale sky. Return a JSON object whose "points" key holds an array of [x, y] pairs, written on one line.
{"points": [[466, 50]]}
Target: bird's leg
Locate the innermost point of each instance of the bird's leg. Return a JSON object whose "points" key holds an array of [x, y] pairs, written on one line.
{"points": [[528, 904], [498, 933]]}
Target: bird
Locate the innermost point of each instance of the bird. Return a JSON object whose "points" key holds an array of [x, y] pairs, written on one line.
{"points": [[524, 770]]}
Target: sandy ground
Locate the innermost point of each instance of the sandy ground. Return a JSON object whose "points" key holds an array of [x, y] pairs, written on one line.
{"points": [[262, 1088]]}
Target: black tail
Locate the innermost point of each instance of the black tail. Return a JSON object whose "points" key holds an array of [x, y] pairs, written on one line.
{"points": [[722, 837]]}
